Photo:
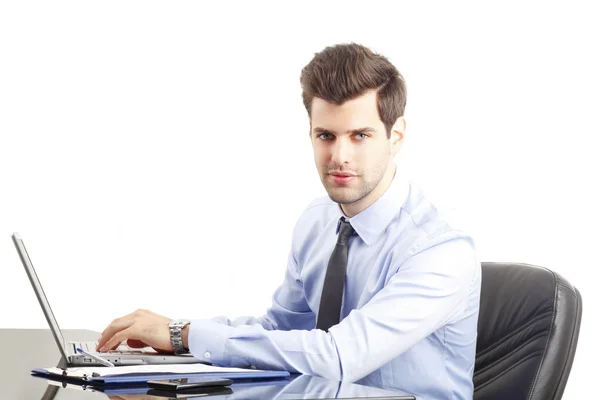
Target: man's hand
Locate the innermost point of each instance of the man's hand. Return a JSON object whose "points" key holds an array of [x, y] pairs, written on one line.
{"points": [[141, 328]]}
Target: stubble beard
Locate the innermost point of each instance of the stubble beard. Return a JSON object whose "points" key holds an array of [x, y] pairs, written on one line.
{"points": [[354, 191]]}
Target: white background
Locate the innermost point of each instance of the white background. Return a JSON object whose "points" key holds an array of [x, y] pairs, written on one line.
{"points": [[156, 154]]}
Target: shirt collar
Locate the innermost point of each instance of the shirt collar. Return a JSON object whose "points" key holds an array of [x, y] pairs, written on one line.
{"points": [[373, 220]]}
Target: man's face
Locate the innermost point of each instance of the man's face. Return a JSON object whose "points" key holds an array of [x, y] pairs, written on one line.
{"points": [[352, 151]]}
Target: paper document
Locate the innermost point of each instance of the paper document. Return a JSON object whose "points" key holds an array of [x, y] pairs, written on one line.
{"points": [[83, 372]]}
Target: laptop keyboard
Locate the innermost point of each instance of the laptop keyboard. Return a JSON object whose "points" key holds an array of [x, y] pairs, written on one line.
{"points": [[123, 348]]}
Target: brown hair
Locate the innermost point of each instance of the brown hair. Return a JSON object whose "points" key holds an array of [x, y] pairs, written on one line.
{"points": [[345, 71]]}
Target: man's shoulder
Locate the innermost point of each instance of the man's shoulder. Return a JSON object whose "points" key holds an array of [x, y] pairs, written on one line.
{"points": [[319, 204], [425, 224], [423, 214], [318, 213], [320, 207]]}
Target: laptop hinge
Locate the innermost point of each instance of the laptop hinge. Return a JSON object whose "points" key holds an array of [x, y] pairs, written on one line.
{"points": [[62, 363]]}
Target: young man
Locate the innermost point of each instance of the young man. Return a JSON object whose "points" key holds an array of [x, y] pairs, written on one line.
{"points": [[379, 289]]}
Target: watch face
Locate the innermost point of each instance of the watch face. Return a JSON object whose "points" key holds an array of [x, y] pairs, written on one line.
{"points": [[179, 323]]}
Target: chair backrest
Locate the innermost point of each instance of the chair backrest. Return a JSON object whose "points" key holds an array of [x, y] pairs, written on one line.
{"points": [[528, 327]]}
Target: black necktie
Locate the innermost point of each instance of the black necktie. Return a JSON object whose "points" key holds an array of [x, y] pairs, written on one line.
{"points": [[333, 287]]}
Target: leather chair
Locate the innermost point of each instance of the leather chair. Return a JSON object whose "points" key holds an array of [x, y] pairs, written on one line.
{"points": [[528, 327]]}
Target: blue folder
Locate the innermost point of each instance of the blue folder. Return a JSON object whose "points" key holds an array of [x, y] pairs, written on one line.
{"points": [[141, 378]]}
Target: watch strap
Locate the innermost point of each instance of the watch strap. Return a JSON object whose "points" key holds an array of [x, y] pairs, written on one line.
{"points": [[176, 329]]}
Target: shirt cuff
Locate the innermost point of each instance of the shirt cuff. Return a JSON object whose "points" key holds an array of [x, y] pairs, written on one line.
{"points": [[207, 340]]}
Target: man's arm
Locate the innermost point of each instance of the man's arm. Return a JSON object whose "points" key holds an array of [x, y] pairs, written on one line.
{"points": [[145, 328], [429, 290]]}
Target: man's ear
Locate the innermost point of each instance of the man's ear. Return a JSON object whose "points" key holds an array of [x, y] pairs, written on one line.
{"points": [[397, 135]]}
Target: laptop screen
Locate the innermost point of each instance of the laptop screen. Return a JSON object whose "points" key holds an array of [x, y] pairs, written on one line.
{"points": [[39, 292]]}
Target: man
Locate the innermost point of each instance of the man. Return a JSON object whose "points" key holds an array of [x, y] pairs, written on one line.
{"points": [[379, 289]]}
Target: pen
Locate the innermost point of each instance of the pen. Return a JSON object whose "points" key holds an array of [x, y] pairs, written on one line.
{"points": [[101, 360]]}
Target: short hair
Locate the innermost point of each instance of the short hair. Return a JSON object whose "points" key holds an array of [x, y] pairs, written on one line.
{"points": [[343, 72]]}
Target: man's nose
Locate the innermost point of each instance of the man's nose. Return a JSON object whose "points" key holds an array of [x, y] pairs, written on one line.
{"points": [[341, 152]]}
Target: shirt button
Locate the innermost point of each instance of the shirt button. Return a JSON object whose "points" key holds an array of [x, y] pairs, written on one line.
{"points": [[207, 354]]}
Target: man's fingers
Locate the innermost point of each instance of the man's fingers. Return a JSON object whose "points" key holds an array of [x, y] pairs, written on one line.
{"points": [[142, 331], [116, 326], [116, 340]]}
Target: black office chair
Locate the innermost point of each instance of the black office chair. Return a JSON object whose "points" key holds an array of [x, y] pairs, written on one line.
{"points": [[527, 333]]}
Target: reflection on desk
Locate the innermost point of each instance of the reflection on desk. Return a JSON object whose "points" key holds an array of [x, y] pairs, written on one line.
{"points": [[297, 387]]}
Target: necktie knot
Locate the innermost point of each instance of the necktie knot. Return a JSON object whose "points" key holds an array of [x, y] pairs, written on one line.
{"points": [[346, 230]]}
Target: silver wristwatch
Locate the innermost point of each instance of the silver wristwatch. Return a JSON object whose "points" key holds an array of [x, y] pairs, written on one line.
{"points": [[175, 328]]}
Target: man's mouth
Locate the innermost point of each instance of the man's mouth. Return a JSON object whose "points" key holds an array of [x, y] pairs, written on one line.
{"points": [[342, 178], [343, 174]]}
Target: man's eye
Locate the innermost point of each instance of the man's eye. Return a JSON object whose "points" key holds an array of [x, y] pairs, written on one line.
{"points": [[361, 136], [325, 136]]}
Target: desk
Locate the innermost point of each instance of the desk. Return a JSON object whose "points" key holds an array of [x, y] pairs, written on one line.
{"points": [[25, 349]]}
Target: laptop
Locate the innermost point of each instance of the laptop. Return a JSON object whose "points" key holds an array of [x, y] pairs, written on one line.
{"points": [[123, 355]]}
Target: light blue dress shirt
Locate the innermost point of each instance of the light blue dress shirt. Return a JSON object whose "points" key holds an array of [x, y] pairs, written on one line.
{"points": [[409, 312]]}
